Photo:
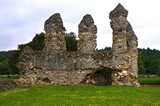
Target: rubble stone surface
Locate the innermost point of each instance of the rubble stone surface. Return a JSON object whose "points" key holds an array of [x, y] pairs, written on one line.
{"points": [[124, 48], [54, 37], [56, 66], [87, 35]]}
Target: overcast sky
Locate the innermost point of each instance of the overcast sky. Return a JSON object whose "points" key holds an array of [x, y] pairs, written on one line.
{"points": [[20, 20]]}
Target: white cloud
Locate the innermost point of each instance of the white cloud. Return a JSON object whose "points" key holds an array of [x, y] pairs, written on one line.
{"points": [[148, 36]]}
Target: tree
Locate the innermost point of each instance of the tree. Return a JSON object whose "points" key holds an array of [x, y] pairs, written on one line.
{"points": [[71, 42], [4, 62], [36, 44], [150, 59], [141, 66], [13, 61], [106, 49], [4, 69]]}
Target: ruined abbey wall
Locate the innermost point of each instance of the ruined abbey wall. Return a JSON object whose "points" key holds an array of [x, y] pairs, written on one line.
{"points": [[55, 66]]}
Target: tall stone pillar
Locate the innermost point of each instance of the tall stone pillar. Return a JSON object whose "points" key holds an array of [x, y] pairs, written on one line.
{"points": [[87, 35], [54, 34], [124, 49], [119, 47]]}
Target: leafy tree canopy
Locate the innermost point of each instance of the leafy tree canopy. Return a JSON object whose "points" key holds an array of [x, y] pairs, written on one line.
{"points": [[71, 42]]}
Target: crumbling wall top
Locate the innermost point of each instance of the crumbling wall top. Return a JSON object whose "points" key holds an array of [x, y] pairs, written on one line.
{"points": [[54, 23], [54, 36], [87, 35], [87, 21], [119, 10]]}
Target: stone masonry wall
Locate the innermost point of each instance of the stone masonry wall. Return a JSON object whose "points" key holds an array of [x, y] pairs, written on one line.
{"points": [[54, 37], [55, 66], [124, 48], [87, 35]]}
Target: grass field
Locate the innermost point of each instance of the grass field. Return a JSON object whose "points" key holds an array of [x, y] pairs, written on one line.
{"points": [[153, 80], [81, 96], [11, 76]]}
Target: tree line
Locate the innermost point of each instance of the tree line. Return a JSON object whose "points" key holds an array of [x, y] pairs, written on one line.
{"points": [[148, 59]]}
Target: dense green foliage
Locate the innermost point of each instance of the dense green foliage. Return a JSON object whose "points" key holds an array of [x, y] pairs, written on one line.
{"points": [[106, 49], [4, 61], [71, 42], [5, 55], [36, 44], [81, 96], [4, 68], [149, 61], [13, 61]]}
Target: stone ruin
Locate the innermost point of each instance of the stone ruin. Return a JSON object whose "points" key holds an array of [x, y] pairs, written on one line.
{"points": [[54, 65]]}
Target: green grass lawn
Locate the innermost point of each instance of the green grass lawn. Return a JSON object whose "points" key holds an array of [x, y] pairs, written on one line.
{"points": [[10, 77], [153, 80], [81, 96]]}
